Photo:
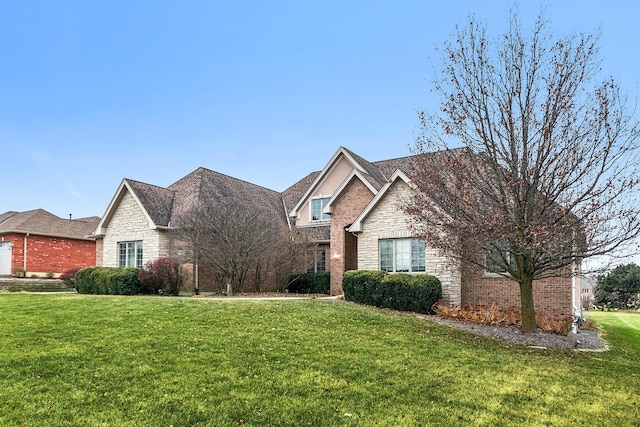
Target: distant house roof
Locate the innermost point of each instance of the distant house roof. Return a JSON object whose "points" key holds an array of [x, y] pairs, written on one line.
{"points": [[41, 222]]}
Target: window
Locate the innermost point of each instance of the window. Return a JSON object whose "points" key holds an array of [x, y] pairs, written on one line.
{"points": [[130, 254], [402, 255], [319, 262], [495, 258], [316, 209]]}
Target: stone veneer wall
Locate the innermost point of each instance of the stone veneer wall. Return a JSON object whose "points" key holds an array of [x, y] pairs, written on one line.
{"points": [[128, 224], [345, 209], [388, 221]]}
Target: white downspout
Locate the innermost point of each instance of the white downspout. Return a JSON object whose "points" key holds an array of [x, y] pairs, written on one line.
{"points": [[24, 252], [574, 309]]}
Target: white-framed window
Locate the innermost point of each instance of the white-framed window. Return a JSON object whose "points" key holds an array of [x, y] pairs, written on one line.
{"points": [[316, 209], [130, 254], [402, 255], [319, 262]]}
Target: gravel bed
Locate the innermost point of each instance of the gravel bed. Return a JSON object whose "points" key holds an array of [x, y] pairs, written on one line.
{"points": [[583, 340]]}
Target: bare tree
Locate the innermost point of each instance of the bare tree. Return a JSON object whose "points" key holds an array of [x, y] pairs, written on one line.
{"points": [[234, 241], [535, 164], [292, 257], [236, 233]]}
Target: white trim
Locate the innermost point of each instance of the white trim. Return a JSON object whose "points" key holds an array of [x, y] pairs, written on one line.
{"points": [[322, 212], [328, 208], [101, 228], [356, 227], [322, 176]]}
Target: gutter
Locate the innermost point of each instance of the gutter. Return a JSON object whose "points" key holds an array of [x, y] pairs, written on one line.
{"points": [[62, 236]]}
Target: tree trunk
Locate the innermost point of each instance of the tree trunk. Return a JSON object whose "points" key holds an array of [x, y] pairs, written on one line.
{"points": [[229, 288], [527, 308], [196, 283]]}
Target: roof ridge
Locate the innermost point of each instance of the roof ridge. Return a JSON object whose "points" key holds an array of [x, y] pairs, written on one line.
{"points": [[207, 170], [146, 183]]}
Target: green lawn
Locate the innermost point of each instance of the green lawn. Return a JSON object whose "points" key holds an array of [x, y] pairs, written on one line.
{"points": [[72, 360]]}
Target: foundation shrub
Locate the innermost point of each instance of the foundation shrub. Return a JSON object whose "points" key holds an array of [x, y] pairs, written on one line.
{"points": [[425, 291], [83, 280], [396, 291], [357, 284], [107, 281], [310, 283], [163, 276]]}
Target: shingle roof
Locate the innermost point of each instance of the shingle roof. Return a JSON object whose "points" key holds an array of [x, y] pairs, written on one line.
{"points": [[388, 167], [41, 222], [320, 233], [377, 173], [157, 201], [166, 205], [292, 195], [207, 185], [374, 174]]}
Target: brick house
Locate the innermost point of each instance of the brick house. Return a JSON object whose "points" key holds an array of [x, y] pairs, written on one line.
{"points": [[135, 228], [351, 208], [39, 243]]}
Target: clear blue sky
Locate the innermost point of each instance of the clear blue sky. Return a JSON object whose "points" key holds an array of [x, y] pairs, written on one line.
{"points": [[266, 91]]}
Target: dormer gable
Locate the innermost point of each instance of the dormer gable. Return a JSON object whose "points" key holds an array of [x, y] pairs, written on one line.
{"points": [[328, 183], [397, 176]]}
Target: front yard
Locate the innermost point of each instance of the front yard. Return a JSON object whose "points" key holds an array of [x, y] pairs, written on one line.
{"points": [[69, 360]]}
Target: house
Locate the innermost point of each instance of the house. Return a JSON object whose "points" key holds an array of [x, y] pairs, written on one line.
{"points": [[136, 226], [351, 208], [39, 243]]}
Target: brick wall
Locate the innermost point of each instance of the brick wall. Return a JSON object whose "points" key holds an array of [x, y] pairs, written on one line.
{"points": [[99, 245], [47, 254], [345, 209], [552, 295]]}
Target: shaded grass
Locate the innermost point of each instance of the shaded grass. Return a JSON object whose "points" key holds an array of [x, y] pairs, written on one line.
{"points": [[144, 361]]}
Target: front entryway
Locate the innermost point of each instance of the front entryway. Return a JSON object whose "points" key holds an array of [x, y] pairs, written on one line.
{"points": [[5, 258]]}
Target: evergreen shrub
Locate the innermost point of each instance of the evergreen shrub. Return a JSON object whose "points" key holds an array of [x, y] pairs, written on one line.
{"points": [[310, 283], [400, 291], [107, 281]]}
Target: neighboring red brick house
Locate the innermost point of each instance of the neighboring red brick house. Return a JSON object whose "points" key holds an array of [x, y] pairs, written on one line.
{"points": [[39, 243]]}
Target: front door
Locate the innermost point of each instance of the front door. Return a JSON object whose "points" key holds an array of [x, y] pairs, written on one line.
{"points": [[5, 258]]}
